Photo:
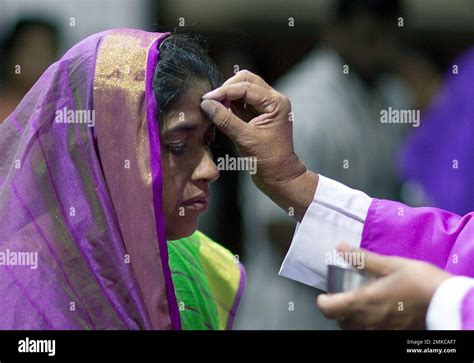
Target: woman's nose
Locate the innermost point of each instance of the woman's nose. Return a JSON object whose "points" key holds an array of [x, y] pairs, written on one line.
{"points": [[207, 169]]}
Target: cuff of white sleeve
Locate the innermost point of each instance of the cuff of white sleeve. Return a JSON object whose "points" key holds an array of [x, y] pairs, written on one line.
{"points": [[444, 311], [337, 213]]}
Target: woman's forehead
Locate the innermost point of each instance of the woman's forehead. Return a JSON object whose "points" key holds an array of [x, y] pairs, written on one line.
{"points": [[186, 124], [187, 114]]}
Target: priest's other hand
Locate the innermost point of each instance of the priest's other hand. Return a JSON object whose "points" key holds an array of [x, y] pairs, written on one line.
{"points": [[397, 299]]}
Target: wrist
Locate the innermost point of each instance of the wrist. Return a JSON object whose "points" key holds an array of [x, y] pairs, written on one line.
{"points": [[277, 171], [294, 194]]}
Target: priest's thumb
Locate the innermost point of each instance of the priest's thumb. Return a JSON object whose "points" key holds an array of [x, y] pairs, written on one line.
{"points": [[232, 126]]}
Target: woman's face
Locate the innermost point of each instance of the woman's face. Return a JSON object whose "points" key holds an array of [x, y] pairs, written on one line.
{"points": [[188, 168]]}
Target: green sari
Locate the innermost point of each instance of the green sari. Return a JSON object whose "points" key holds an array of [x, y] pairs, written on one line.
{"points": [[209, 282]]}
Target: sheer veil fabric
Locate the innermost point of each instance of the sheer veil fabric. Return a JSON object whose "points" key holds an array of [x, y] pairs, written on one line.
{"points": [[82, 234]]}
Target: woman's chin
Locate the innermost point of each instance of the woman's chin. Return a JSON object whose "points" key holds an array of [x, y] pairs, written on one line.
{"points": [[181, 226], [179, 232]]}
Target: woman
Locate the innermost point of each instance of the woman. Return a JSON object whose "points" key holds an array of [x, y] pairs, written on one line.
{"points": [[103, 161]]}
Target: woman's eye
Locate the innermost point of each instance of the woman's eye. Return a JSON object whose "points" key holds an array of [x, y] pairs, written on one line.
{"points": [[176, 149]]}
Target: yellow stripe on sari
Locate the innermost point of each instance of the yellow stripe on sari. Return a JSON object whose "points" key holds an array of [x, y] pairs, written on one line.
{"points": [[209, 282]]}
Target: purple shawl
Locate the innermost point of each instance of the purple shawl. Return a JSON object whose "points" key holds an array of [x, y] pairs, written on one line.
{"points": [[85, 202]]}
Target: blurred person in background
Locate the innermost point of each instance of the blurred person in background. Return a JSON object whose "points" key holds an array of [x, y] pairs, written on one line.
{"points": [[26, 51], [339, 90], [437, 158]]}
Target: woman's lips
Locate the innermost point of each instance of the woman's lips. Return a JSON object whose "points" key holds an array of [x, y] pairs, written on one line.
{"points": [[198, 203], [200, 206]]}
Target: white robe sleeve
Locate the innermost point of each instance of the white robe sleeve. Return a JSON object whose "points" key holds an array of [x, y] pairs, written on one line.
{"points": [[444, 311], [337, 213]]}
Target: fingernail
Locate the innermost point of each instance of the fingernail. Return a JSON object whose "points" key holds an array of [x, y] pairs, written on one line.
{"points": [[321, 299], [211, 94], [209, 107]]}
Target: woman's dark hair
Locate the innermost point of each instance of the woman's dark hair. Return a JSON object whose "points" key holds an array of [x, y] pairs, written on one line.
{"points": [[183, 60]]}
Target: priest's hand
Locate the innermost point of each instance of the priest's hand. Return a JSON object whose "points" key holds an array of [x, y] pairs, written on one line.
{"points": [[398, 299], [259, 122]]}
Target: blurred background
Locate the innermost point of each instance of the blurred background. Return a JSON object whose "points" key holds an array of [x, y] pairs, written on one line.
{"points": [[341, 62]]}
